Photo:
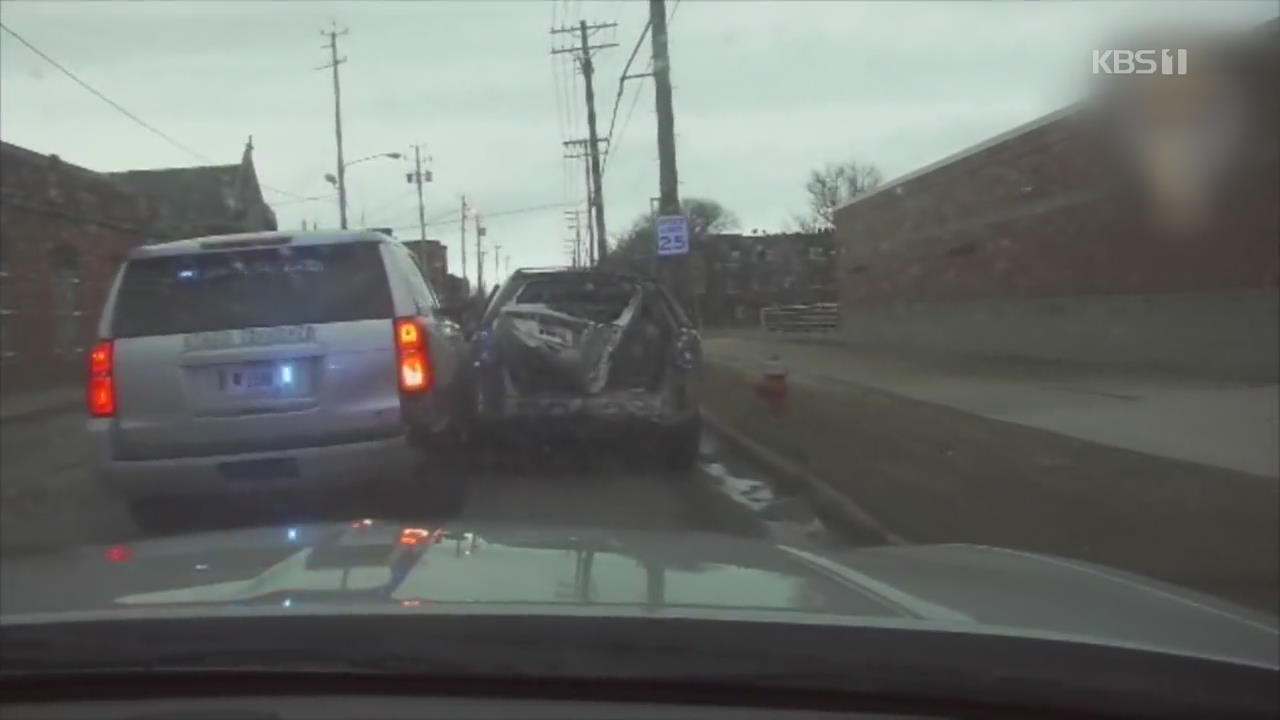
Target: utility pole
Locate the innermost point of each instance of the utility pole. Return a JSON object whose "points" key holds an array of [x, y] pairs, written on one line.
{"points": [[333, 34], [591, 228], [462, 225], [577, 238], [586, 157], [668, 180], [497, 258], [588, 69], [479, 255], [418, 177], [574, 218], [677, 270]]}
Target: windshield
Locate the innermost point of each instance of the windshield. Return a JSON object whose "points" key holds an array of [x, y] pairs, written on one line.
{"points": [[908, 314]]}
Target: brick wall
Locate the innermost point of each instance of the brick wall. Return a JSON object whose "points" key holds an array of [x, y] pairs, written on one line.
{"points": [[1064, 240], [434, 259], [1059, 208], [63, 233], [1033, 217]]}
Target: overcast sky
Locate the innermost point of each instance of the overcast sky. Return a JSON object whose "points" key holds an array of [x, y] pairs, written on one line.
{"points": [[764, 91]]}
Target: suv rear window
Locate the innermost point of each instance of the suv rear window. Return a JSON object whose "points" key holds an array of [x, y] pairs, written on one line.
{"points": [[259, 287]]}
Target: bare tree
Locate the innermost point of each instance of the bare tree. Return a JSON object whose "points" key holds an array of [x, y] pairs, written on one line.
{"points": [[834, 185], [635, 249]]}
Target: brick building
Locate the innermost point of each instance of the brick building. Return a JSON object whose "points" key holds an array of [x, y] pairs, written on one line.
{"points": [[434, 259], [204, 200], [1081, 237], [737, 274], [64, 230], [433, 256]]}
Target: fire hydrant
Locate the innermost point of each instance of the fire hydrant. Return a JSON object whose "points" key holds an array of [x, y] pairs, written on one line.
{"points": [[772, 386]]}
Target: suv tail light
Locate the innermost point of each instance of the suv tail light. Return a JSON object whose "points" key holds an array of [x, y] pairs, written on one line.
{"points": [[413, 360], [101, 391]]}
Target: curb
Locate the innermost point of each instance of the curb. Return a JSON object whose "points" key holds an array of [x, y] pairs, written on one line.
{"points": [[46, 409], [823, 494]]}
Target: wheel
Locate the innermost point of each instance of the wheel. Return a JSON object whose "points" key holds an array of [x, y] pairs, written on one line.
{"points": [[680, 451]]}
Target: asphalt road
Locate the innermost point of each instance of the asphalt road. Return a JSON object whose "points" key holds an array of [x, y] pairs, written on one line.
{"points": [[52, 511]]}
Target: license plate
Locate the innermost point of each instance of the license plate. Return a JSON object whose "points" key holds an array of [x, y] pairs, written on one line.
{"points": [[256, 378]]}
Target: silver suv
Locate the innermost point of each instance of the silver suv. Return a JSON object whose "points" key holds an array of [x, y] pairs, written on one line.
{"points": [[269, 361]]}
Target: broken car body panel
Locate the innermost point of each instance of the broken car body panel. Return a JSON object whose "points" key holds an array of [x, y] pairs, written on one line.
{"points": [[586, 343]]}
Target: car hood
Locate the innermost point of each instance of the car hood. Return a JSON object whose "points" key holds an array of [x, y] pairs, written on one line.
{"points": [[367, 565]]}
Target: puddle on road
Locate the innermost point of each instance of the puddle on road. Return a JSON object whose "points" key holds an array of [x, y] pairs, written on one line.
{"points": [[789, 517], [755, 494]]}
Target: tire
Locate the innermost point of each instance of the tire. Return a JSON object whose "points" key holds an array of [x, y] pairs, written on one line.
{"points": [[680, 451]]}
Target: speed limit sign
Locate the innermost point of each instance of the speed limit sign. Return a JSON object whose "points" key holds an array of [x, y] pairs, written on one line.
{"points": [[673, 235]]}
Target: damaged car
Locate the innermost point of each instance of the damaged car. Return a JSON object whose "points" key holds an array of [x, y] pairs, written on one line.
{"points": [[589, 352]]}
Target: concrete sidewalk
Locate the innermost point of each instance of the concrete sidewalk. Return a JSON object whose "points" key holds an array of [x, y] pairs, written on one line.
{"points": [[17, 405], [1224, 424]]}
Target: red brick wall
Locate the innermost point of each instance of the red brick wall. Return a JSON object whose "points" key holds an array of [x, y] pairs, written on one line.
{"points": [[1054, 211], [434, 259], [50, 209]]}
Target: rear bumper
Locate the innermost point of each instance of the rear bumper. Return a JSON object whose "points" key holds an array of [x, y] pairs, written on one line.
{"points": [[599, 416], [608, 410], [329, 467]]}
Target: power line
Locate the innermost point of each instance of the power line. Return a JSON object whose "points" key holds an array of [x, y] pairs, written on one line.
{"points": [[124, 111], [454, 219], [563, 105], [104, 98], [397, 199], [626, 121], [583, 53], [623, 77], [313, 198]]}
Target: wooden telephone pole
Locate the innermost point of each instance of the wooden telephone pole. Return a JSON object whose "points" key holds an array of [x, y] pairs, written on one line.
{"points": [[593, 250], [675, 271], [462, 244], [333, 34], [479, 255], [418, 177], [583, 52]]}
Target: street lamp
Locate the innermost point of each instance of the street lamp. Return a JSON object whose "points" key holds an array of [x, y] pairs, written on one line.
{"points": [[392, 155], [340, 182]]}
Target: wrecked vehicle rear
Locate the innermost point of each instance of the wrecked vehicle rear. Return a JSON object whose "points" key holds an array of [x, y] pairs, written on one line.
{"points": [[598, 351]]}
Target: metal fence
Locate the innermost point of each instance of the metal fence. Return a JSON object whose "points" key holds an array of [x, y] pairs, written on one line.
{"points": [[812, 318]]}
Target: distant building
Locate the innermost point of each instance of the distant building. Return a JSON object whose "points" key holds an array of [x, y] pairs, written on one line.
{"points": [[736, 275], [433, 257], [204, 200], [64, 230]]}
